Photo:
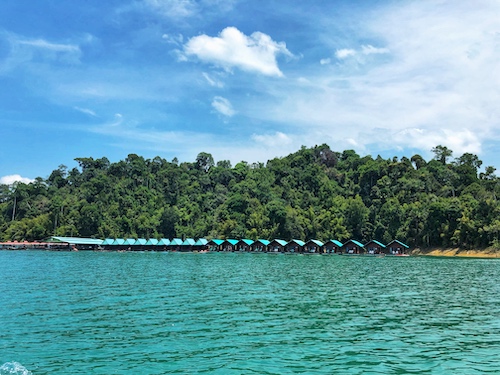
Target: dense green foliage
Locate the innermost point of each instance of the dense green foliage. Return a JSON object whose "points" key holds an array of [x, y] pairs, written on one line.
{"points": [[313, 193]]}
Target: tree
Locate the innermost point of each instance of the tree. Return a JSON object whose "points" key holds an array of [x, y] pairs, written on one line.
{"points": [[204, 161], [442, 153]]}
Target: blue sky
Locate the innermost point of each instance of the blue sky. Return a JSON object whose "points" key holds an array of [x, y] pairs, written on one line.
{"points": [[244, 80]]}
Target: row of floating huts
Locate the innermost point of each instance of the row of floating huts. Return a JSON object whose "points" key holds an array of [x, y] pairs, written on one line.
{"points": [[276, 246]]}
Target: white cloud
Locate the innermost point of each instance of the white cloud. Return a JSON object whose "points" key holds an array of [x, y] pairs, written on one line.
{"points": [[172, 8], [223, 106], [212, 81], [9, 180], [255, 53], [370, 50], [173, 39], [86, 111], [325, 61], [344, 53], [24, 50], [277, 139], [438, 77]]}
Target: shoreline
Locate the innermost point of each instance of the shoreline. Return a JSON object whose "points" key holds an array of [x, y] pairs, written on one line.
{"points": [[457, 252]]}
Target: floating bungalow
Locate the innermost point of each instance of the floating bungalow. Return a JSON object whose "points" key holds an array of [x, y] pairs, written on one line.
{"points": [[163, 244], [313, 247], [260, 246], [396, 247], [375, 247], [295, 246], [175, 244], [200, 245], [215, 245], [187, 245], [333, 247], [229, 245], [244, 245], [276, 246], [353, 247]]}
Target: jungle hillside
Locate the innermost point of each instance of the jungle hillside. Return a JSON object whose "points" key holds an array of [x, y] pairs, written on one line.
{"points": [[314, 193]]}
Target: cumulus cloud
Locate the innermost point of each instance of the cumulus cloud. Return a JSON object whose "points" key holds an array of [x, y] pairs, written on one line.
{"points": [[10, 179], [223, 106], [232, 49]]}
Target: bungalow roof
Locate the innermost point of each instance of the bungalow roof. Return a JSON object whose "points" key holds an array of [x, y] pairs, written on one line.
{"points": [[317, 242], [176, 241], [246, 241], [76, 240], [399, 242], [338, 243], [130, 241], [163, 242], [152, 241], [263, 242], [188, 242], [216, 241], [298, 242], [201, 242], [108, 241], [357, 243], [140, 241], [378, 243], [118, 241], [281, 242], [232, 242]]}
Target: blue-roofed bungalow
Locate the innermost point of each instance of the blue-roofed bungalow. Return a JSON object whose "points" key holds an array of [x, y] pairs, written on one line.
{"points": [[260, 246], [333, 247], [175, 244], [151, 244], [374, 247], [295, 246], [107, 244], [313, 247], [200, 245], [119, 244], [396, 247], [187, 244], [229, 245], [244, 245], [215, 245], [162, 244], [353, 247], [139, 244], [77, 243], [276, 246]]}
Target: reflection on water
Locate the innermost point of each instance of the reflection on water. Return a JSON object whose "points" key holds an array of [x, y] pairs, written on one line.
{"points": [[157, 313]]}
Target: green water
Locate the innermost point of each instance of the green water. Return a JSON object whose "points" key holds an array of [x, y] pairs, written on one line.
{"points": [[159, 313]]}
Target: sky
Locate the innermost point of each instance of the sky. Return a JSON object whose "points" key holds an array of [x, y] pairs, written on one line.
{"points": [[245, 80]]}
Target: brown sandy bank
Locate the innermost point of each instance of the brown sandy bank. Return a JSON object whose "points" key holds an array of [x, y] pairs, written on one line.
{"points": [[457, 252]]}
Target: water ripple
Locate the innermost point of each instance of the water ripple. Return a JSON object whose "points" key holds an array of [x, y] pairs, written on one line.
{"points": [[157, 313]]}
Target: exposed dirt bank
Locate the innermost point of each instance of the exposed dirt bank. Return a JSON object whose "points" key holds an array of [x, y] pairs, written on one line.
{"points": [[456, 252]]}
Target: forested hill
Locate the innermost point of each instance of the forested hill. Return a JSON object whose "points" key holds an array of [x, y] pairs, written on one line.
{"points": [[313, 193]]}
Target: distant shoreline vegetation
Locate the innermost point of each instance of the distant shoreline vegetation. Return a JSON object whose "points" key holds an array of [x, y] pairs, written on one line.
{"points": [[312, 193]]}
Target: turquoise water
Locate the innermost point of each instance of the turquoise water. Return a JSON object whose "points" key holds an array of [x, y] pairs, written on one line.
{"points": [[160, 313]]}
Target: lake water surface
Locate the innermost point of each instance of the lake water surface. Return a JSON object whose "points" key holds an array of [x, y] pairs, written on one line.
{"points": [[164, 313]]}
